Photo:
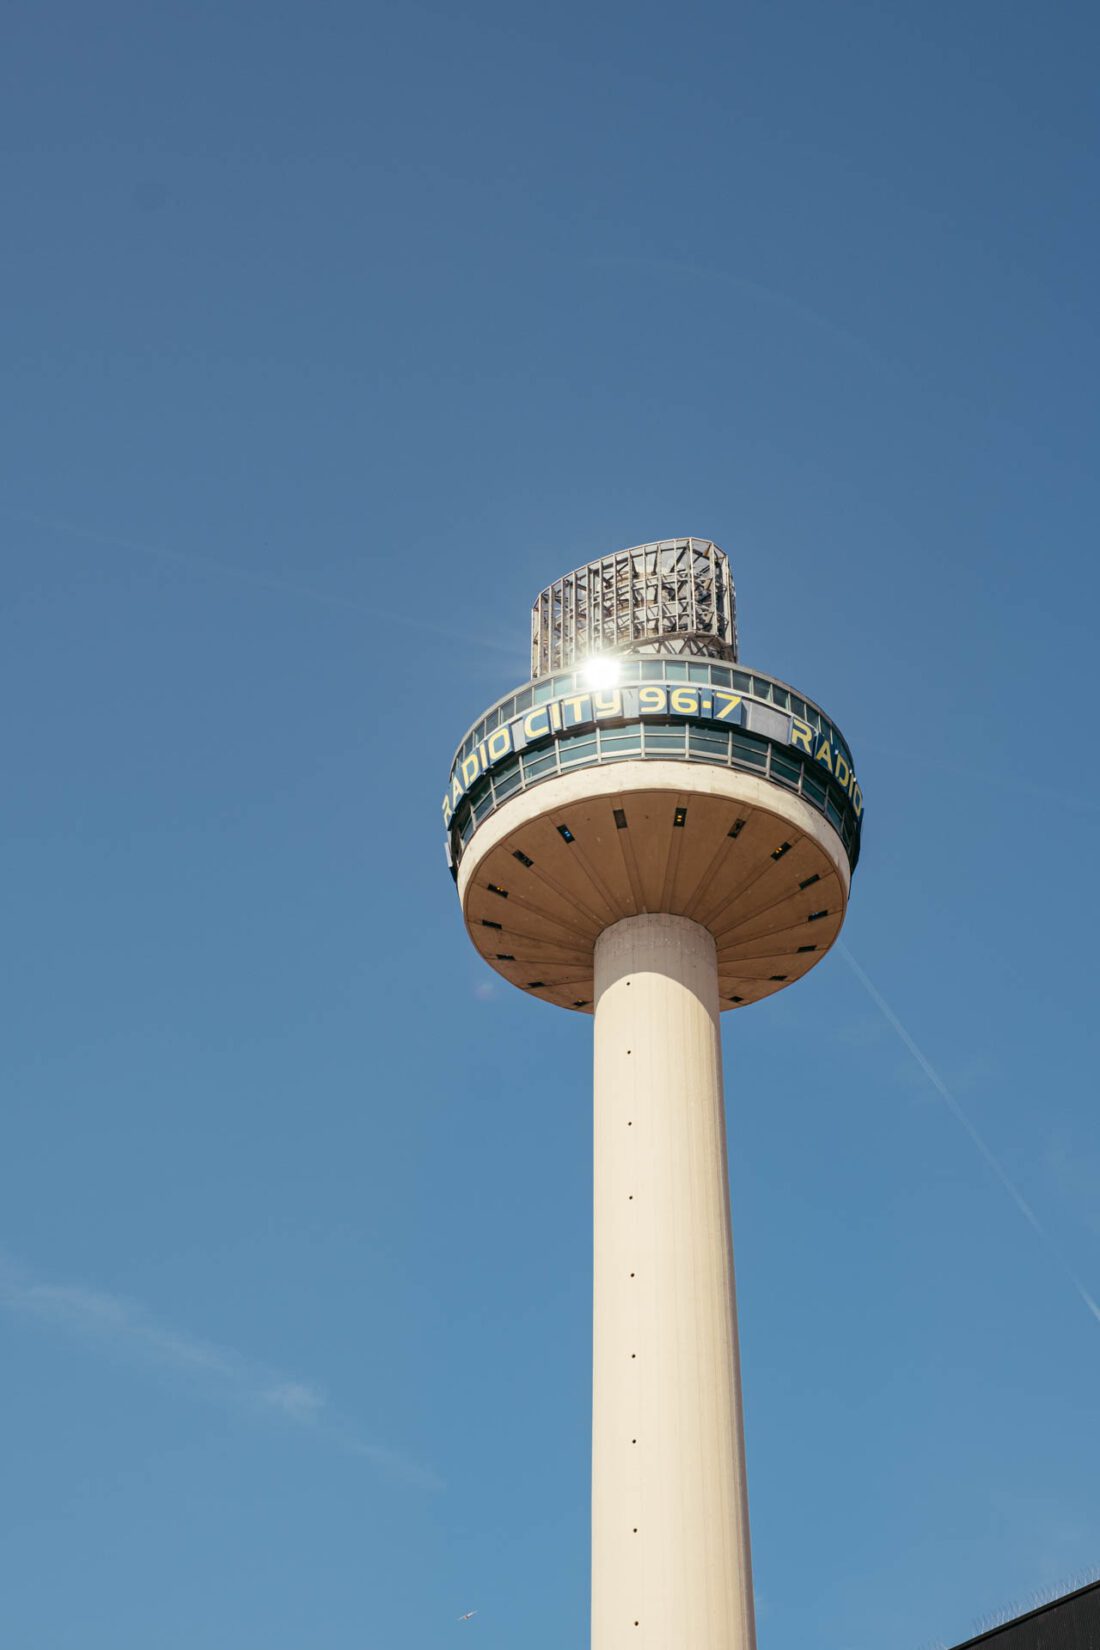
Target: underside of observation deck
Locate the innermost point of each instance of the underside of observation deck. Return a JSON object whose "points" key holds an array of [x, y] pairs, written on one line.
{"points": [[738, 856]]}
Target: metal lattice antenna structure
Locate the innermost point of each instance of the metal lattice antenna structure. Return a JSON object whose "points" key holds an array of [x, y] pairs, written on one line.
{"points": [[674, 596]]}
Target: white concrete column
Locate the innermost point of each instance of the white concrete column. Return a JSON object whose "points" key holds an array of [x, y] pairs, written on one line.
{"points": [[671, 1567]]}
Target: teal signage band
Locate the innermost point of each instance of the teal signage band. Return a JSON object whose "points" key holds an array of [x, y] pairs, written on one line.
{"points": [[570, 714]]}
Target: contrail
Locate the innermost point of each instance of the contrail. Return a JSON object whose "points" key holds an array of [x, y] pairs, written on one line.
{"points": [[220, 1373], [961, 1117], [247, 575], [777, 300]]}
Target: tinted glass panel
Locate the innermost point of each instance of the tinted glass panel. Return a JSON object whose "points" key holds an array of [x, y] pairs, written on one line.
{"points": [[574, 751], [507, 780], [535, 767], [747, 752], [713, 744], [621, 739]]}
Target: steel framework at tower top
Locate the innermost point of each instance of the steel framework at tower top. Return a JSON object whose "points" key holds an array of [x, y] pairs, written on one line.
{"points": [[673, 596]]}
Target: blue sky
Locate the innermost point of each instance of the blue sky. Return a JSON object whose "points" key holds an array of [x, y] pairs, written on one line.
{"points": [[330, 335]]}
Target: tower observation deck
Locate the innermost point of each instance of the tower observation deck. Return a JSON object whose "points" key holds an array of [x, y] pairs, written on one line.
{"points": [[651, 833]]}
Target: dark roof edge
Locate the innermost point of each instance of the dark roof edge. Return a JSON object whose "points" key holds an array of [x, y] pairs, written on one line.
{"points": [[1028, 1615]]}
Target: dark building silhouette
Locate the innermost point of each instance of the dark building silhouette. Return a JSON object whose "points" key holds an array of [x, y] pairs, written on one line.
{"points": [[1069, 1623]]}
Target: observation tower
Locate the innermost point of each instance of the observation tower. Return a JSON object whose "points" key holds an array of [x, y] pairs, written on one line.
{"points": [[650, 833]]}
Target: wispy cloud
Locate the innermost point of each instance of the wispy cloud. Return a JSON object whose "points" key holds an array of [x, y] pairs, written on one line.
{"points": [[123, 1328], [961, 1117], [461, 632]]}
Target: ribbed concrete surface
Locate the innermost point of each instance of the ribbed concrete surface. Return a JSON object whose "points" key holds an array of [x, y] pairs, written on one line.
{"points": [[671, 1566], [753, 863]]}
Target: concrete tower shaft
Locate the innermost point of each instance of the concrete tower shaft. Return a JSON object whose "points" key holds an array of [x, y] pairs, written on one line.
{"points": [[670, 1519]]}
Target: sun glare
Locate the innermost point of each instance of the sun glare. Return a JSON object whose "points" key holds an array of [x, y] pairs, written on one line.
{"points": [[603, 673]]}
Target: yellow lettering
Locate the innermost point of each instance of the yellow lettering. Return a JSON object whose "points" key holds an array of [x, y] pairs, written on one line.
{"points": [[802, 737], [471, 768], [580, 705], [652, 698], [842, 772], [456, 788], [608, 704], [729, 703], [685, 701], [498, 744], [530, 723], [555, 715], [447, 810], [857, 801], [825, 755]]}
